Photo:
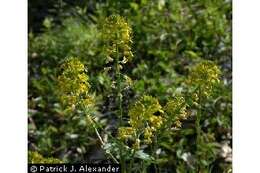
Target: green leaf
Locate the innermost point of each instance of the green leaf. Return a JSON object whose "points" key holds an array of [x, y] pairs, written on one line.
{"points": [[144, 156]]}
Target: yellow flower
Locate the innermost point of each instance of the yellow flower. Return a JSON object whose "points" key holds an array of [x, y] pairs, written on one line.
{"points": [[73, 85], [35, 157], [136, 145], [156, 121], [143, 110], [176, 110], [125, 132], [143, 118], [205, 75], [116, 34], [148, 135], [89, 120], [177, 124]]}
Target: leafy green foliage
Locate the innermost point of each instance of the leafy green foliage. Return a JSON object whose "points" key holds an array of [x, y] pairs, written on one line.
{"points": [[178, 68]]}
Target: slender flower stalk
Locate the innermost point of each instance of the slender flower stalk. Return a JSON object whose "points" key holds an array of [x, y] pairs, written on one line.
{"points": [[116, 36], [94, 125], [203, 77]]}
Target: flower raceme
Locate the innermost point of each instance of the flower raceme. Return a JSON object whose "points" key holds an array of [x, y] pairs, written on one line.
{"points": [[176, 110], [147, 116], [142, 116], [126, 132], [144, 110], [116, 38], [142, 120], [116, 34], [205, 76], [73, 85]]}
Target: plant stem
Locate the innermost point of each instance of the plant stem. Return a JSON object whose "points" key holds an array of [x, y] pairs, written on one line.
{"points": [[119, 101], [198, 118], [198, 128], [154, 148], [101, 141], [119, 95], [132, 160], [95, 125]]}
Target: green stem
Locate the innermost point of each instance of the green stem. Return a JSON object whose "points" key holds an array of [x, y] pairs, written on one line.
{"points": [[198, 128], [154, 153], [198, 119], [119, 95], [132, 160], [119, 101], [95, 125], [102, 142]]}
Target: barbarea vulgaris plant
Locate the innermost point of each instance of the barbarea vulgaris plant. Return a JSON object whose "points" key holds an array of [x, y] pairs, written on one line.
{"points": [[74, 93], [143, 120], [175, 110], [147, 117], [204, 76], [73, 86], [116, 34], [116, 38]]}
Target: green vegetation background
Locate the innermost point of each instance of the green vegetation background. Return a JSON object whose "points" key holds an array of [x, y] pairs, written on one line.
{"points": [[169, 37]]}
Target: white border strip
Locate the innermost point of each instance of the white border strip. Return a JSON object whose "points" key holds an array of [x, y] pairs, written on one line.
{"points": [[13, 86], [246, 86]]}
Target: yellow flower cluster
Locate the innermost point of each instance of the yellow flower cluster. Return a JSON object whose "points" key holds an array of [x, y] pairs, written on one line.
{"points": [[205, 75], [147, 116], [143, 119], [126, 132], [148, 133], [116, 33], [35, 157], [143, 110], [156, 121], [176, 110], [73, 85]]}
